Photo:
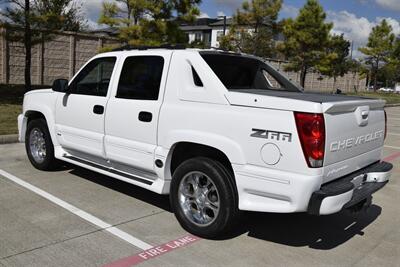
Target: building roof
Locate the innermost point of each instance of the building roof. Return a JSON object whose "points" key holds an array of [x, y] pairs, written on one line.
{"points": [[200, 24], [220, 22], [195, 28], [109, 31]]}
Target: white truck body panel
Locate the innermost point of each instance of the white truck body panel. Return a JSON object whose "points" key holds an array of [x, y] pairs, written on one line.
{"points": [[271, 175], [133, 143]]}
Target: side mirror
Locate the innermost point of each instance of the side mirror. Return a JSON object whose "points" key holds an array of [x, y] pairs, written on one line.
{"points": [[60, 85]]}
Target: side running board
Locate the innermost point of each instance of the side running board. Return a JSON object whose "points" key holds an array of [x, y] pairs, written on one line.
{"points": [[110, 170]]}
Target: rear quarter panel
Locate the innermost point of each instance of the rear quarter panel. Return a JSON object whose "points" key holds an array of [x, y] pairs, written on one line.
{"points": [[230, 129]]}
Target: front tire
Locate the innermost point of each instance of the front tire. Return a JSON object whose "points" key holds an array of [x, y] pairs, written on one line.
{"points": [[38, 145], [204, 198]]}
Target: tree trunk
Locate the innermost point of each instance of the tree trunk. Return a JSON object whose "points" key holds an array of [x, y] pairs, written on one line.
{"points": [[28, 47], [375, 73], [334, 84], [375, 80], [303, 75]]}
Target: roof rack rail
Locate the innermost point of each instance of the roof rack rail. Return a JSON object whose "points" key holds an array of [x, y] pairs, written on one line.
{"points": [[145, 47]]}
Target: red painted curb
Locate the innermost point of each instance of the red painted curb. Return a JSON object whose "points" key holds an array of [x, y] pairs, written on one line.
{"points": [[392, 157]]}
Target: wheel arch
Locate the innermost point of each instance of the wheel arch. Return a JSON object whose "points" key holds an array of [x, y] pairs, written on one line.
{"points": [[182, 151], [33, 113], [223, 150]]}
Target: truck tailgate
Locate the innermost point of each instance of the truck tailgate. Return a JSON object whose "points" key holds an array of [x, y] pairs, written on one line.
{"points": [[353, 128]]}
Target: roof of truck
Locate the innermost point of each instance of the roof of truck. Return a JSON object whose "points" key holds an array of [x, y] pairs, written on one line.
{"points": [[124, 50]]}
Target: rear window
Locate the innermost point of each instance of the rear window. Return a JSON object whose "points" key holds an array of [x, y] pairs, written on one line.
{"points": [[241, 72]]}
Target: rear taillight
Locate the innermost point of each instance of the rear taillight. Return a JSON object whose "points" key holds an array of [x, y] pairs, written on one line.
{"points": [[311, 130], [385, 124]]}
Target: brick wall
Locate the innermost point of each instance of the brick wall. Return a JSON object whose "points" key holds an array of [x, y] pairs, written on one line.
{"points": [[316, 82], [65, 54], [59, 58]]}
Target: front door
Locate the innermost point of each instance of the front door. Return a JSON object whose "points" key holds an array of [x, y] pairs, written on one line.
{"points": [[132, 113], [80, 112]]}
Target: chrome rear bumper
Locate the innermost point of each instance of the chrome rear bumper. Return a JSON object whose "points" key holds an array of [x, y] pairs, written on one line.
{"points": [[351, 190]]}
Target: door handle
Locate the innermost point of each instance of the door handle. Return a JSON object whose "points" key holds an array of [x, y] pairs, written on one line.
{"points": [[98, 109], [145, 116]]}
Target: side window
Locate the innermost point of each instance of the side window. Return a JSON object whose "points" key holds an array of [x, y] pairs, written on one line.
{"points": [[141, 78], [196, 78], [271, 81], [94, 79]]}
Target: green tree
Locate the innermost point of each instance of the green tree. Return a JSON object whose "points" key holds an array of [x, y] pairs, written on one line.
{"points": [[38, 19], [395, 60], [149, 22], [336, 62], [379, 48], [254, 27], [59, 15], [306, 38], [389, 74]]}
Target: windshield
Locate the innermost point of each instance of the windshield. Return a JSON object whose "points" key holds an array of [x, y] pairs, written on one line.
{"points": [[238, 72]]}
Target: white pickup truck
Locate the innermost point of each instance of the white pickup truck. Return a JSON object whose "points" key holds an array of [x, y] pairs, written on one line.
{"points": [[219, 132]]}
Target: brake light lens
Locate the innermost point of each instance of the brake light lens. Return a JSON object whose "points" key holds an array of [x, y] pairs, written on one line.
{"points": [[311, 130], [385, 124]]}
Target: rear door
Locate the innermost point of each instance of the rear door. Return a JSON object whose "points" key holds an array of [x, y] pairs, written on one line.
{"points": [[132, 113], [80, 112]]}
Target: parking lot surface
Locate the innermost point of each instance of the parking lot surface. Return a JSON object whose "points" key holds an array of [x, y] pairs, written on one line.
{"points": [[75, 217]]}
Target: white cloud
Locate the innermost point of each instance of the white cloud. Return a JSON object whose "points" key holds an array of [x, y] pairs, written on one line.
{"points": [[289, 11], [354, 28], [392, 22], [221, 14], [389, 4], [92, 10], [357, 29], [203, 15]]}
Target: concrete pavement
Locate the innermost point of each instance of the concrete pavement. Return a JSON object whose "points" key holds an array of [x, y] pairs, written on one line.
{"points": [[37, 232]]}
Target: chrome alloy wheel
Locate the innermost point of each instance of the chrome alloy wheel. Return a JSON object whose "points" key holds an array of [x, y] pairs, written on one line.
{"points": [[199, 198], [37, 145]]}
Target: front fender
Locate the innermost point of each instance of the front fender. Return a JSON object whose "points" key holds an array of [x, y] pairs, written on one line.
{"points": [[43, 103]]}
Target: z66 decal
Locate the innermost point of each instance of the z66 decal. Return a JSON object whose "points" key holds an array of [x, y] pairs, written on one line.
{"points": [[272, 135]]}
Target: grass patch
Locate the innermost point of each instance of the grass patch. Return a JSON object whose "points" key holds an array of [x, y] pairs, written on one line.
{"points": [[390, 98], [8, 118], [11, 97]]}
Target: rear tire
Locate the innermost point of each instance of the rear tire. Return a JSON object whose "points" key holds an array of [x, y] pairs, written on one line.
{"points": [[39, 147], [204, 198]]}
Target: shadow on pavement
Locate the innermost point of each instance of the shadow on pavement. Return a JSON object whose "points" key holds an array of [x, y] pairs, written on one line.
{"points": [[297, 230], [301, 229], [160, 201]]}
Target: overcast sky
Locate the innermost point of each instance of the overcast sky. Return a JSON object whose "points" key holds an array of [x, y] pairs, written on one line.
{"points": [[354, 18]]}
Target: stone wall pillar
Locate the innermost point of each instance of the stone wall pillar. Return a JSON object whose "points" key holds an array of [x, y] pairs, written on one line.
{"points": [[40, 59], [101, 43], [4, 56], [72, 55]]}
